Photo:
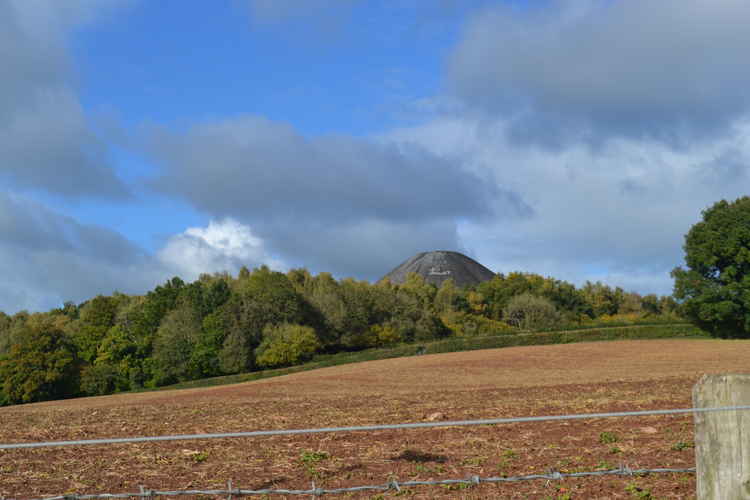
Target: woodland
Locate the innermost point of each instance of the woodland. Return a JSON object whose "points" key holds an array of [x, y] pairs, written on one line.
{"points": [[222, 324]]}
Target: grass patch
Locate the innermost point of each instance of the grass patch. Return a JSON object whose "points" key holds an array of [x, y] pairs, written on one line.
{"points": [[607, 437], [682, 445]]}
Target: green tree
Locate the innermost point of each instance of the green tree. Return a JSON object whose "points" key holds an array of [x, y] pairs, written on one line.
{"points": [[101, 378], [499, 291], [286, 345], [130, 340], [13, 331], [116, 367], [416, 286], [204, 360], [650, 304], [244, 273], [99, 311], [157, 304], [602, 299], [96, 317], [383, 335], [69, 309], [446, 298], [384, 302], [413, 315], [300, 279], [236, 354], [175, 340], [141, 318], [41, 364], [668, 305], [5, 324], [531, 312], [715, 286], [261, 298], [631, 303], [325, 295], [358, 311]]}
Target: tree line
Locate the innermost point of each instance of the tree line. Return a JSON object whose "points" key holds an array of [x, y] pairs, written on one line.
{"points": [[221, 324]]}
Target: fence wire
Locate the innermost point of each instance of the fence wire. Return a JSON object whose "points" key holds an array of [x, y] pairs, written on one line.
{"points": [[416, 425], [392, 485]]}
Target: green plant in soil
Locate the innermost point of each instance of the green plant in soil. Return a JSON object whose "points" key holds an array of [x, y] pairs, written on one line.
{"points": [[310, 459], [607, 437]]}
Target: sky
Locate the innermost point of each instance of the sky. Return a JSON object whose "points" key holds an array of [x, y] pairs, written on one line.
{"points": [[578, 139]]}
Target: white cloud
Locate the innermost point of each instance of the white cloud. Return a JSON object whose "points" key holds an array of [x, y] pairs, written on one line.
{"points": [[224, 245]]}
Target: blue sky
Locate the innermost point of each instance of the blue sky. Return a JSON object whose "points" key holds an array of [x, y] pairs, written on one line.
{"points": [[344, 69], [577, 139]]}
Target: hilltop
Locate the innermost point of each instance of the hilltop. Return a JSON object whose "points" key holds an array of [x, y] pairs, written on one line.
{"points": [[439, 266]]}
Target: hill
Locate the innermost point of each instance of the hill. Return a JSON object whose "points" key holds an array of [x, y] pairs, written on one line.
{"points": [[438, 266]]}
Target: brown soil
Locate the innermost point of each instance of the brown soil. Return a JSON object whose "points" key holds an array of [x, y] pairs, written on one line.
{"points": [[512, 382]]}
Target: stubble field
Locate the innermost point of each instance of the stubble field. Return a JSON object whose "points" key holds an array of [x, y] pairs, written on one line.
{"points": [[511, 382]]}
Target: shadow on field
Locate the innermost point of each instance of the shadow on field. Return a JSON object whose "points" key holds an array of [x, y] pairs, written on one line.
{"points": [[420, 457]]}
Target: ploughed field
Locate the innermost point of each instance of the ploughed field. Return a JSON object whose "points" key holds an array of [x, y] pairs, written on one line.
{"points": [[511, 382]]}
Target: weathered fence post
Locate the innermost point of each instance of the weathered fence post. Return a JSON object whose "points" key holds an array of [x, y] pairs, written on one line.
{"points": [[722, 438]]}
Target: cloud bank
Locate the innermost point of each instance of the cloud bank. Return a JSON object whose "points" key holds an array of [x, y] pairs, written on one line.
{"points": [[45, 141], [571, 70], [616, 213], [47, 258], [331, 203], [578, 139]]}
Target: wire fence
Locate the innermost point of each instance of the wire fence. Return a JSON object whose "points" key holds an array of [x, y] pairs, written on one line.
{"points": [[414, 425], [393, 484]]}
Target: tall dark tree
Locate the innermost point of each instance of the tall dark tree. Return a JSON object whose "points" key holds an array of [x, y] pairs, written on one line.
{"points": [[262, 298], [96, 317], [5, 324], [326, 297], [41, 364], [177, 337], [650, 304], [715, 286]]}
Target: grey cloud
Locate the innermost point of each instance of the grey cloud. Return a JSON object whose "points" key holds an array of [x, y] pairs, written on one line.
{"points": [[364, 249], [45, 142], [673, 70], [729, 167], [340, 204], [30, 226], [263, 169], [618, 213], [47, 258]]}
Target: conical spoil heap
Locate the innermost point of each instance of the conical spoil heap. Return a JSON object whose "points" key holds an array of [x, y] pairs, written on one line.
{"points": [[436, 267]]}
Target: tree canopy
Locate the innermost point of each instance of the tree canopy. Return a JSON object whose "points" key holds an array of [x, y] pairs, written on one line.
{"points": [[221, 325], [715, 286]]}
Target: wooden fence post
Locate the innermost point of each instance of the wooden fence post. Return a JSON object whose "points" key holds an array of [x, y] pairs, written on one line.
{"points": [[722, 438]]}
